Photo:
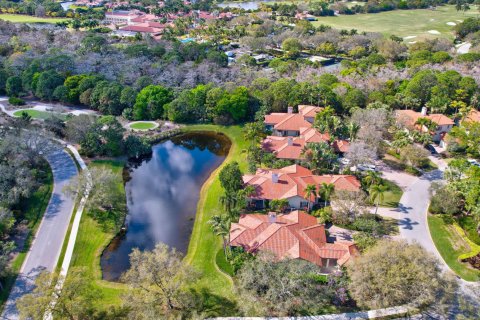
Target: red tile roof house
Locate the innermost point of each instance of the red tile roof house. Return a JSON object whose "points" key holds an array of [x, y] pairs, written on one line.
{"points": [[410, 117], [295, 235], [290, 183], [292, 131]]}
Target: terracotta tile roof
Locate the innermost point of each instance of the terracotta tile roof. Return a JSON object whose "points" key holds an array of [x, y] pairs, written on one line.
{"points": [[410, 117], [292, 181], [309, 111], [473, 116], [282, 149], [296, 235], [440, 119]]}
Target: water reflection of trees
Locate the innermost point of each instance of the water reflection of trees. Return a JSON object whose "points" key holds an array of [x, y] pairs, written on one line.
{"points": [[217, 144]]}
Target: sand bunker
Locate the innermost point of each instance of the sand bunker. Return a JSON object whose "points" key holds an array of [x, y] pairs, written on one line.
{"points": [[412, 42], [433, 32], [451, 23]]}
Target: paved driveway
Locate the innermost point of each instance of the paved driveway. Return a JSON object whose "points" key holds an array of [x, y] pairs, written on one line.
{"points": [[45, 250]]}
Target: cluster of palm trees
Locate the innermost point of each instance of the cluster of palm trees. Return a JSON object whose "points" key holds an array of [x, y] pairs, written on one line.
{"points": [[326, 190]]}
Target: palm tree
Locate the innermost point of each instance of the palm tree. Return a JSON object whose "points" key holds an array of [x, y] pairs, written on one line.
{"points": [[429, 124], [310, 190], [221, 227], [377, 194], [372, 178], [229, 201], [327, 190], [353, 129]]}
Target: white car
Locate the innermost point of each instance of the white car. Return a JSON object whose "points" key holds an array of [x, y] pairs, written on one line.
{"points": [[367, 167], [473, 162], [344, 161]]}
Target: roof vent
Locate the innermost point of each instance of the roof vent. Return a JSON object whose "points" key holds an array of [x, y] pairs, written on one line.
{"points": [[274, 177], [424, 111], [272, 217]]}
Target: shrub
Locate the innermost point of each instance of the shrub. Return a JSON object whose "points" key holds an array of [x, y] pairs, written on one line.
{"points": [[364, 240], [16, 101], [324, 215], [368, 224], [448, 219]]}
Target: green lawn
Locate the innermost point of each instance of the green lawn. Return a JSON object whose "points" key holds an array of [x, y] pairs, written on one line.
{"points": [[204, 245], [32, 210], [29, 19], [451, 245], [142, 125], [403, 23], [92, 238], [36, 114], [392, 196]]}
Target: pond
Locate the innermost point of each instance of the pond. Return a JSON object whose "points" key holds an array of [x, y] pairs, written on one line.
{"points": [[162, 194]]}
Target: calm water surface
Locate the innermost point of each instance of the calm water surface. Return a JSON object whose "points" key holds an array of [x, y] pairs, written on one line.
{"points": [[162, 195]]}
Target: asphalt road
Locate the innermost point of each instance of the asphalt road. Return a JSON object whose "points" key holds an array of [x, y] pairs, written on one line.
{"points": [[45, 250]]}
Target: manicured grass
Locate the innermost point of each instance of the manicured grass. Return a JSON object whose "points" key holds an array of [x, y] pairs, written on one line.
{"points": [[32, 209], [92, 238], [451, 245], [36, 114], [29, 19], [223, 263], [403, 23], [204, 245], [143, 125], [392, 196]]}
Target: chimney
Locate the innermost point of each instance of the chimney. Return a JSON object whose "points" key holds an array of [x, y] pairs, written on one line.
{"points": [[290, 141], [424, 111], [290, 110], [272, 217], [274, 177]]}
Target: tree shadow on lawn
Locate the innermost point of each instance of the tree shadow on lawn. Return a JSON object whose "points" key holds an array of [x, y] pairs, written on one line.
{"points": [[212, 305]]}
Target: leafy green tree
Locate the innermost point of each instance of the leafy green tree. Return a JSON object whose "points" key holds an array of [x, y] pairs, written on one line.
{"points": [[47, 82], [136, 147], [231, 177], [282, 288], [319, 156], [189, 106], [150, 102], [234, 104], [372, 178], [106, 97], [3, 80], [292, 46], [74, 301], [409, 275], [13, 86], [158, 283]]}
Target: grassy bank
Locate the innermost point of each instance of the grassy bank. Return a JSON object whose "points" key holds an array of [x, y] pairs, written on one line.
{"points": [[414, 24], [93, 237], [37, 114], [451, 245], [392, 196], [32, 209], [204, 245], [20, 18]]}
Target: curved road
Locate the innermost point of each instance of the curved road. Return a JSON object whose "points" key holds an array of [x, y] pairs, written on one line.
{"points": [[45, 249]]}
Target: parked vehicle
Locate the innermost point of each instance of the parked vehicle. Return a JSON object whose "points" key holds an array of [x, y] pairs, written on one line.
{"points": [[367, 167]]}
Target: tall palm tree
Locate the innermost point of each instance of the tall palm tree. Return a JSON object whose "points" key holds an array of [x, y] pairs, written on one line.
{"points": [[353, 129], [221, 227], [377, 194], [229, 200], [372, 178], [429, 124], [327, 190], [310, 190]]}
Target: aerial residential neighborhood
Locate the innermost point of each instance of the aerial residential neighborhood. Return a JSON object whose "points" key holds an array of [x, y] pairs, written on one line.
{"points": [[239, 159]]}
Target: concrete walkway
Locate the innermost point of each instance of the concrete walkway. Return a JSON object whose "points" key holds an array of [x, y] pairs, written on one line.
{"points": [[48, 107], [47, 244]]}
